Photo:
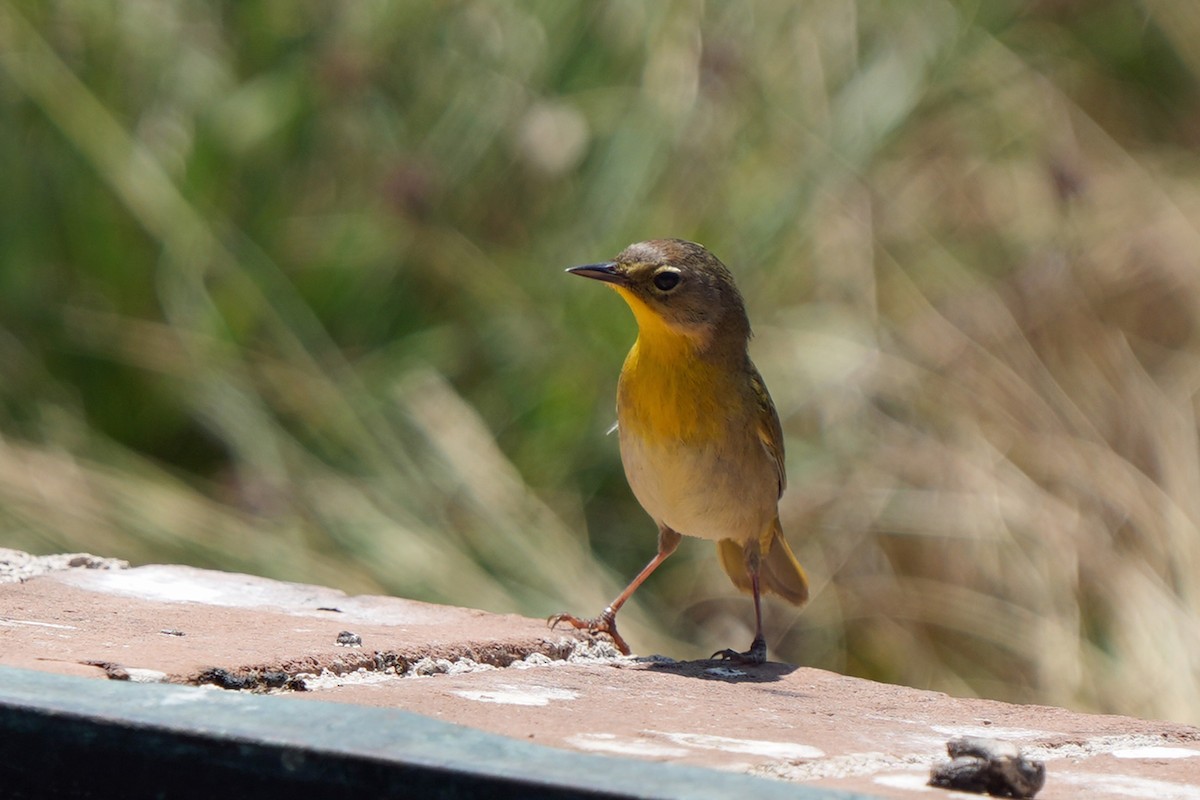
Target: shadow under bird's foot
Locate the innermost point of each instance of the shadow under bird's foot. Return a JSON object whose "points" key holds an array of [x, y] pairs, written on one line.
{"points": [[757, 654], [605, 623]]}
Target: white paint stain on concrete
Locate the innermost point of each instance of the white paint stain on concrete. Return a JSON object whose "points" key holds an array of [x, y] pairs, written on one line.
{"points": [[847, 765], [13, 623], [176, 584], [624, 745], [1137, 745], [507, 694], [990, 731], [1156, 752], [754, 747]]}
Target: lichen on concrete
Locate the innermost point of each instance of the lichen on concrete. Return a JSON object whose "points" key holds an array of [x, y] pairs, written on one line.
{"points": [[17, 566]]}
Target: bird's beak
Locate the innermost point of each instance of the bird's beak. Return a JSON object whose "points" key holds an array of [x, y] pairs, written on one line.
{"points": [[606, 272]]}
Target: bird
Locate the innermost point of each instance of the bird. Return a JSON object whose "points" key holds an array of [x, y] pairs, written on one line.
{"points": [[700, 439]]}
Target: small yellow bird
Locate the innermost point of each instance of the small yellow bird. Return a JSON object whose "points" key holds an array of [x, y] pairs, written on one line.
{"points": [[700, 438]]}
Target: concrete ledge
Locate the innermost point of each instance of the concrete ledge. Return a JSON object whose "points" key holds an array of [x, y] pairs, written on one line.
{"points": [[507, 676]]}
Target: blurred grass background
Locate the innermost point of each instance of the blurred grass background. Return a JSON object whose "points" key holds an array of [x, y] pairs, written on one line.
{"points": [[281, 292]]}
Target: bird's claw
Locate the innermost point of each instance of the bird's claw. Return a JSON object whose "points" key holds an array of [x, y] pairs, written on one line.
{"points": [[605, 623], [757, 654]]}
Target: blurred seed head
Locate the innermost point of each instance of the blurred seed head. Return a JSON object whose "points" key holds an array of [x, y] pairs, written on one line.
{"points": [[552, 138]]}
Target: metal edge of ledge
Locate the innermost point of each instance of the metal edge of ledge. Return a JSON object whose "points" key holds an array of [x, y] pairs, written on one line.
{"points": [[74, 737]]}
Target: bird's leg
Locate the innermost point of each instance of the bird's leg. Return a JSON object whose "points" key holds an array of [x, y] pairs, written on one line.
{"points": [[757, 654], [668, 540]]}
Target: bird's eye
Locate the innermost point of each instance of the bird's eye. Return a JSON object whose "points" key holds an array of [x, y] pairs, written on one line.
{"points": [[666, 280]]}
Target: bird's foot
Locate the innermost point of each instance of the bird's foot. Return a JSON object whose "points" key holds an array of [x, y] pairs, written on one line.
{"points": [[605, 623], [757, 654]]}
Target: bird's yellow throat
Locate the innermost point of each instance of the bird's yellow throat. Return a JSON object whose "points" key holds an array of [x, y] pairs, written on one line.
{"points": [[668, 393]]}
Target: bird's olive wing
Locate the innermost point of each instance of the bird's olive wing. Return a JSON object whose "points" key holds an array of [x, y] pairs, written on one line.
{"points": [[770, 433]]}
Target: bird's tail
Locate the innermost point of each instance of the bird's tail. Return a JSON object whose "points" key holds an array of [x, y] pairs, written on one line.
{"points": [[779, 571]]}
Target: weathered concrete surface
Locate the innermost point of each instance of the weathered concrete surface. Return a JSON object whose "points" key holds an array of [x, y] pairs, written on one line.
{"points": [[181, 623], [510, 675]]}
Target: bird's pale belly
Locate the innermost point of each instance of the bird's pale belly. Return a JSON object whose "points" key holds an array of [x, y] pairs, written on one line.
{"points": [[698, 490]]}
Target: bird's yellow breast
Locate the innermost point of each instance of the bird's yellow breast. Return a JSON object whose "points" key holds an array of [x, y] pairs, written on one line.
{"points": [[689, 435], [667, 392]]}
